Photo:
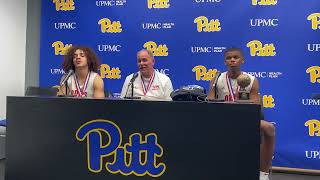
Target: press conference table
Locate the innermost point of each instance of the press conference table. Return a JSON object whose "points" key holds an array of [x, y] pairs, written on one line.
{"points": [[67, 138]]}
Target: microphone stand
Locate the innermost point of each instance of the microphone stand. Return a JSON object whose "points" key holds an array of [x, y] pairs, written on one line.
{"points": [[131, 84]]}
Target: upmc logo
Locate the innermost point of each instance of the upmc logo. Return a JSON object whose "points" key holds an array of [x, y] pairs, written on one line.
{"points": [[64, 5], [157, 50], [263, 75], [314, 72], [109, 48], [151, 26], [258, 49], [65, 25], [264, 22], [110, 3], [264, 2], [314, 47], [203, 24], [158, 4], [207, 1], [315, 20], [110, 27]]}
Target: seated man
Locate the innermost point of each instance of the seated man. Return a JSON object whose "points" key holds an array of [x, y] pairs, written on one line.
{"points": [[84, 81], [147, 83], [226, 88]]}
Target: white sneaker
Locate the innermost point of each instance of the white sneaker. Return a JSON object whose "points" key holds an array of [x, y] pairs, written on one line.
{"points": [[264, 176]]}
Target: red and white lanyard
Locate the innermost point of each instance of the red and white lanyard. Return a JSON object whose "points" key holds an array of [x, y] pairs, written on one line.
{"points": [[230, 89], [146, 89], [82, 91]]}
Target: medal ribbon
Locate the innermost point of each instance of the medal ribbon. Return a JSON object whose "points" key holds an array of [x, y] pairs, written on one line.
{"points": [[230, 89], [82, 92], [146, 89]]}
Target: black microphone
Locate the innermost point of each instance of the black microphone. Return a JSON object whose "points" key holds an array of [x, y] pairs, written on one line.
{"points": [[214, 84], [66, 77], [215, 80], [134, 77]]}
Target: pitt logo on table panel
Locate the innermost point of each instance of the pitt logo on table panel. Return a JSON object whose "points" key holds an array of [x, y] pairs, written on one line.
{"points": [[315, 20], [110, 73], [110, 27], [138, 157], [203, 24], [258, 49], [264, 2], [158, 4], [157, 50], [268, 101], [314, 72], [203, 74], [314, 127], [60, 48], [64, 5]]}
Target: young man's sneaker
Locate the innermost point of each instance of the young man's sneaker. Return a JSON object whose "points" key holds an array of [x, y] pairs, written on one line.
{"points": [[264, 176]]}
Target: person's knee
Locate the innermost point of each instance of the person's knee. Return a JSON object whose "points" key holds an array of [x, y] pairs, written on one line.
{"points": [[268, 129]]}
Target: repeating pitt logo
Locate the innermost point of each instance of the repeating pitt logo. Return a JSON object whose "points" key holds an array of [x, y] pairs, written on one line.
{"points": [[139, 156], [314, 74], [158, 4], [203, 24], [110, 73], [264, 2], [60, 48], [110, 27], [157, 50], [203, 74], [315, 20], [64, 5], [314, 127], [268, 101], [258, 49]]}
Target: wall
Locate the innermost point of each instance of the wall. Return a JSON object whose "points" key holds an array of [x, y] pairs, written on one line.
{"points": [[13, 19]]}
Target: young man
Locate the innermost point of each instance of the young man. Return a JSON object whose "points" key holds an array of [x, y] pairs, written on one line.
{"points": [[227, 89], [147, 83], [84, 82]]}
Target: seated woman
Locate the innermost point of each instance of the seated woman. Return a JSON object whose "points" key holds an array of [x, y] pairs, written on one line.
{"points": [[82, 63]]}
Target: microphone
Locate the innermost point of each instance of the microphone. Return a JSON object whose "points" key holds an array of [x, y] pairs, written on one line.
{"points": [[214, 84], [134, 77], [215, 80], [66, 77]]}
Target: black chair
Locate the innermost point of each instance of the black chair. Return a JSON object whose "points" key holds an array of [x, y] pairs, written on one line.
{"points": [[41, 91]]}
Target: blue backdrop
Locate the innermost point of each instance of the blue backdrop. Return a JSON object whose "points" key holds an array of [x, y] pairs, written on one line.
{"points": [[280, 40]]}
